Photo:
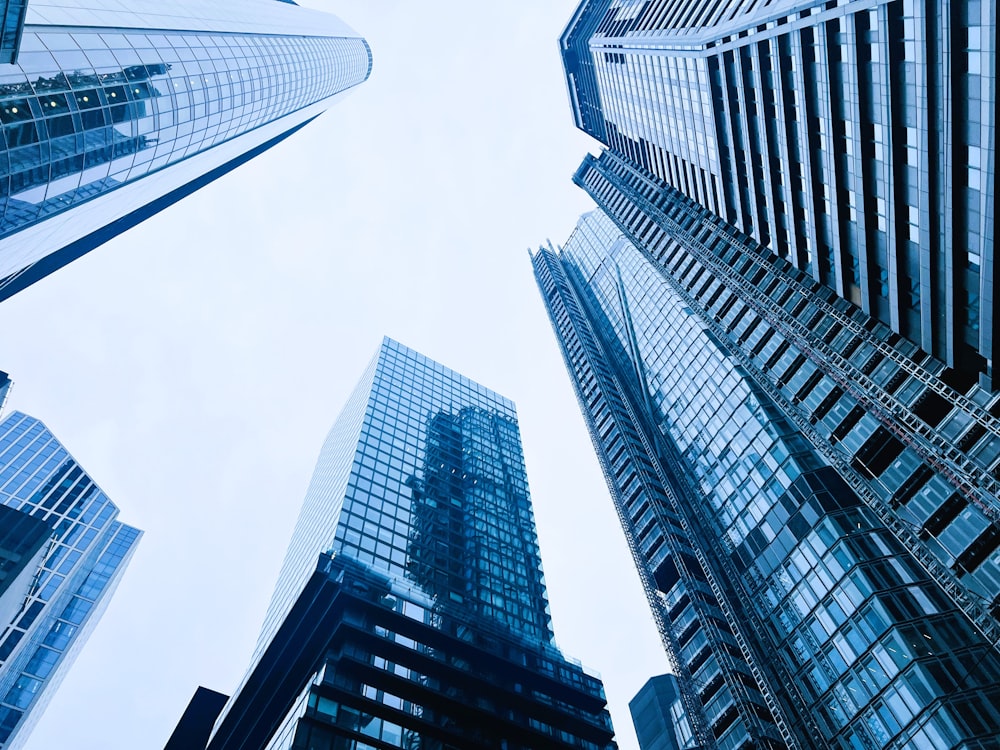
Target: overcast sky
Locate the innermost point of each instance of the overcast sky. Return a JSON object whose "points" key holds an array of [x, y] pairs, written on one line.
{"points": [[195, 364]]}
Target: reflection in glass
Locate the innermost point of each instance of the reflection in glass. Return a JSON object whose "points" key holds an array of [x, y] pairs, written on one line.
{"points": [[438, 632], [471, 545]]}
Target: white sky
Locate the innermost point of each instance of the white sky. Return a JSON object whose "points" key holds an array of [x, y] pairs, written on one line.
{"points": [[195, 364]]}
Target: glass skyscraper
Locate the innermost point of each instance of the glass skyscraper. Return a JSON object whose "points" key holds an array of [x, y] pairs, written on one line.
{"points": [[411, 610], [854, 139], [116, 110], [82, 559], [779, 324], [797, 607], [898, 425]]}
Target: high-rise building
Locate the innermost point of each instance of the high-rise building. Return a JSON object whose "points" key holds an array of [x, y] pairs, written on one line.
{"points": [[854, 139], [779, 324], [659, 718], [411, 610], [794, 550], [84, 551], [912, 436], [116, 110]]}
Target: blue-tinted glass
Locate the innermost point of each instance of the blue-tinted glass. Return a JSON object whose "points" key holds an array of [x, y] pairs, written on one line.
{"points": [[70, 587], [97, 112], [419, 505]]}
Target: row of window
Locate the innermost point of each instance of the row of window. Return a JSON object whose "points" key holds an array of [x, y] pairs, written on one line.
{"points": [[813, 121], [852, 429], [169, 105]]}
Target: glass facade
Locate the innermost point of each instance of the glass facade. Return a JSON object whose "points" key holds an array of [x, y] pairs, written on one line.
{"points": [[752, 315], [851, 138], [795, 610], [892, 420], [84, 560], [415, 441], [115, 109], [419, 516]]}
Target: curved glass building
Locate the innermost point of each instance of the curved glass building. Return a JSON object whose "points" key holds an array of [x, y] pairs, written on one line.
{"points": [[115, 111]]}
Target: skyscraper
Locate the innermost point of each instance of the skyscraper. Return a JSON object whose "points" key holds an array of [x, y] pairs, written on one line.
{"points": [[115, 111], [795, 199], [410, 610], [799, 609], [853, 139], [84, 553]]}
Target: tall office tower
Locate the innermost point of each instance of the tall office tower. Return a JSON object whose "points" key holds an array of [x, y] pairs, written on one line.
{"points": [[658, 715], [855, 139], [84, 554], [764, 506], [115, 111], [410, 610]]}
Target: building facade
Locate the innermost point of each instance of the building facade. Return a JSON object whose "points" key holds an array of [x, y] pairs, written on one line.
{"points": [[115, 111], [779, 532], [85, 551], [779, 323], [411, 610], [853, 139]]}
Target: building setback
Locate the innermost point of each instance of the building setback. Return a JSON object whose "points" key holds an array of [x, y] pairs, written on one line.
{"points": [[83, 555], [115, 111], [658, 715], [410, 610], [854, 139]]}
